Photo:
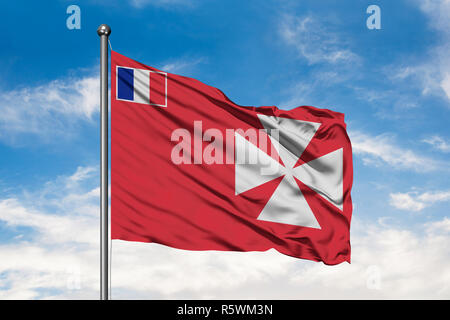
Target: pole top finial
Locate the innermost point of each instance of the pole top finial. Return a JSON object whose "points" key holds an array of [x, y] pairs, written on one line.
{"points": [[104, 30]]}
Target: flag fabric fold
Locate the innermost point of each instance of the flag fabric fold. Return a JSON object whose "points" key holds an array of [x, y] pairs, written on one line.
{"points": [[192, 170]]}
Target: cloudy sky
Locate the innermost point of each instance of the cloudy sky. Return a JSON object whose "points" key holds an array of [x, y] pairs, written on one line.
{"points": [[392, 84]]}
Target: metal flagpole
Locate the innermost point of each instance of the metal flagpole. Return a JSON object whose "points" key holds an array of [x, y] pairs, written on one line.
{"points": [[104, 31]]}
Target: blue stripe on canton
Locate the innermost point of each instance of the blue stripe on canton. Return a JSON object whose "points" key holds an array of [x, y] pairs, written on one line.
{"points": [[125, 83]]}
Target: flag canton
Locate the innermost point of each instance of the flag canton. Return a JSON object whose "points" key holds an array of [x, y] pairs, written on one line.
{"points": [[142, 86]]}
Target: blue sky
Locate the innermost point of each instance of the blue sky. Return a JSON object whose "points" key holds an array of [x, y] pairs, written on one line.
{"points": [[392, 84]]}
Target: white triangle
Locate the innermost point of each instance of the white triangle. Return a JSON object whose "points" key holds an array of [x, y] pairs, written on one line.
{"points": [[288, 206], [253, 167], [325, 176], [293, 136]]}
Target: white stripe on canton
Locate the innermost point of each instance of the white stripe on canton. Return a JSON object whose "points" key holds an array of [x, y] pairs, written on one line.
{"points": [[142, 86]]}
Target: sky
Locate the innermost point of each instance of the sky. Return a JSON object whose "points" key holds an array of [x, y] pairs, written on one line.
{"points": [[393, 84]]}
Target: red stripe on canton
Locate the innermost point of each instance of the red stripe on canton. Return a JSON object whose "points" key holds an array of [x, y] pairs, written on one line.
{"points": [[157, 88]]}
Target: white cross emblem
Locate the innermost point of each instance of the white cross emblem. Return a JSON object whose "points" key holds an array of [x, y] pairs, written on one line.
{"points": [[287, 204]]}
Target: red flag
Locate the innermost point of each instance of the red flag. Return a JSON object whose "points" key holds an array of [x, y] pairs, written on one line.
{"points": [[193, 170]]}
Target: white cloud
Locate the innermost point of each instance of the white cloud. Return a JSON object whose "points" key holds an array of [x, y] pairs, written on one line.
{"points": [[60, 260], [430, 77], [410, 78], [432, 197], [445, 84], [439, 11], [314, 41], [414, 201], [82, 173], [382, 150], [53, 228], [438, 143], [433, 74], [49, 109], [387, 263], [312, 91], [72, 208], [439, 227], [53, 233], [181, 65], [405, 201]]}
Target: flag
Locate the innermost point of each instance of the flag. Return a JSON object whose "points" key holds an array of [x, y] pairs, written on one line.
{"points": [[192, 170]]}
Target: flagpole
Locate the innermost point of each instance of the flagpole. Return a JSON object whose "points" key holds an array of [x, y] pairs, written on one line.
{"points": [[104, 31]]}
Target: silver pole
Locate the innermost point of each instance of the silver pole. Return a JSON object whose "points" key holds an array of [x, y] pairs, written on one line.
{"points": [[104, 31]]}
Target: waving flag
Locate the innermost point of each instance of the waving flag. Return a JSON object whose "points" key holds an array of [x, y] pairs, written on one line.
{"points": [[192, 170]]}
